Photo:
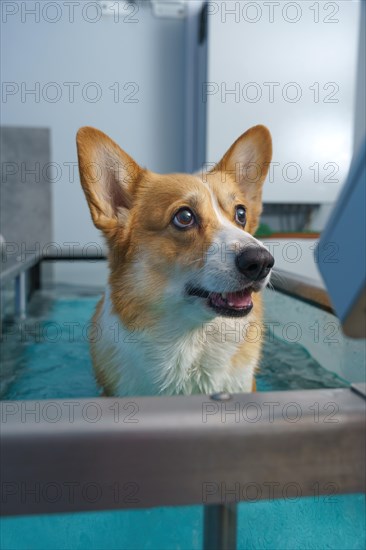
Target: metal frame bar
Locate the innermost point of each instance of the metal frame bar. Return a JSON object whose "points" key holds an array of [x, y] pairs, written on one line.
{"points": [[21, 295], [220, 527], [10, 270], [196, 70], [302, 288], [170, 451]]}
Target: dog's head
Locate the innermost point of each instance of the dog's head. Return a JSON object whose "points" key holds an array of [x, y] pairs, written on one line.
{"points": [[179, 243]]}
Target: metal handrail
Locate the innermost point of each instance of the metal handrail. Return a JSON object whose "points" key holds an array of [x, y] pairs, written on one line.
{"points": [[11, 270], [301, 287], [170, 451], [296, 285]]}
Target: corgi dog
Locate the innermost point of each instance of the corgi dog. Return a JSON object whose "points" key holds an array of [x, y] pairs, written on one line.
{"points": [[182, 311]]}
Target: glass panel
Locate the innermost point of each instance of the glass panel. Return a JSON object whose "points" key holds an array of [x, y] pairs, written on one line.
{"points": [[304, 347]]}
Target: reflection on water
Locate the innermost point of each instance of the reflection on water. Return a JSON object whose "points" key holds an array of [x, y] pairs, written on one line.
{"points": [[47, 356]]}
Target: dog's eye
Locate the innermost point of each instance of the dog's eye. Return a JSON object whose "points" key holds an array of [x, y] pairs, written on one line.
{"points": [[241, 215], [184, 218]]}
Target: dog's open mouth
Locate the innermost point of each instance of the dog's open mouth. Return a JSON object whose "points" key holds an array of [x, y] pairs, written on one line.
{"points": [[230, 304]]}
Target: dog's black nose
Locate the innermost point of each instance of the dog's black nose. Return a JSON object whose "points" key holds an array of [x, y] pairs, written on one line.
{"points": [[255, 263]]}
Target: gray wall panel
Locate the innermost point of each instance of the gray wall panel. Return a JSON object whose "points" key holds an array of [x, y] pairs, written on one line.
{"points": [[25, 222]]}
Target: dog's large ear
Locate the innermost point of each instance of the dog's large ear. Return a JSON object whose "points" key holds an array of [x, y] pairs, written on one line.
{"points": [[107, 176], [248, 160]]}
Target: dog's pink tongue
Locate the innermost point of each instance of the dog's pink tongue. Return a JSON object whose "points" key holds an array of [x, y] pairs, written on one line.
{"points": [[239, 299]]}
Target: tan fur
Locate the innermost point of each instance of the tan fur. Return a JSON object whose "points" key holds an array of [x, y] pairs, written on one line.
{"points": [[106, 377], [134, 207]]}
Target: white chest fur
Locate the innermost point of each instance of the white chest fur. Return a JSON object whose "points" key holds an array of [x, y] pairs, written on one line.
{"points": [[171, 358]]}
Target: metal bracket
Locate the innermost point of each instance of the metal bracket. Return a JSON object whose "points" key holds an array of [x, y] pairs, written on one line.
{"points": [[360, 389], [172, 9]]}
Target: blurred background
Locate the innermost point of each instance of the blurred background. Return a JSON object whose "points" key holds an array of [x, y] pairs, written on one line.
{"points": [[175, 82]]}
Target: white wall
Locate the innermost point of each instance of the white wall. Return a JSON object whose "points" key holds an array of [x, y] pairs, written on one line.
{"points": [[144, 55], [255, 42]]}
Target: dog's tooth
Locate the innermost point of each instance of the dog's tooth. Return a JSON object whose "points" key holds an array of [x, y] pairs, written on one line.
{"points": [[224, 295], [231, 304]]}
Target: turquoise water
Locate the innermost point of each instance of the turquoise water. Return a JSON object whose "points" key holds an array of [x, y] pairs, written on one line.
{"points": [[41, 357], [308, 523], [43, 354]]}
